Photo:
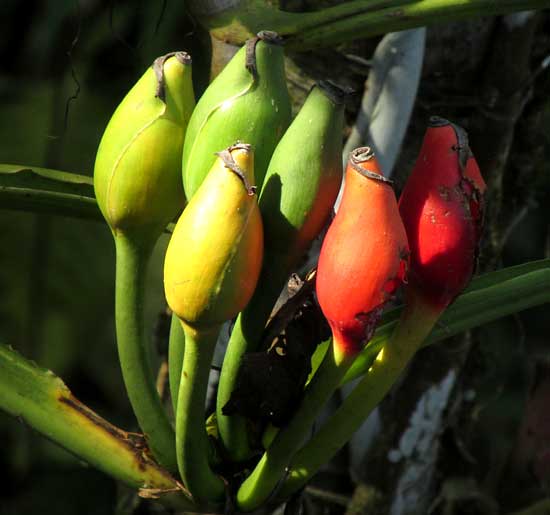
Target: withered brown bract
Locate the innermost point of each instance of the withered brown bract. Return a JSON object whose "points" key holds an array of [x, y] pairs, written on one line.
{"points": [[271, 383]]}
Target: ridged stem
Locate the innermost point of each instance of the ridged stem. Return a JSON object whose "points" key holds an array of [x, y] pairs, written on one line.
{"points": [[416, 323], [131, 264], [176, 346], [192, 445], [270, 470], [245, 337]]}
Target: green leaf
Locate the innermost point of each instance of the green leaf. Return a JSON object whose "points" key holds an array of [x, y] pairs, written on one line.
{"points": [[34, 189], [43, 401], [30, 188], [489, 297]]}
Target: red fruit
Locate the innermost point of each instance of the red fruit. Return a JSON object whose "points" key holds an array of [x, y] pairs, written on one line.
{"points": [[364, 257], [442, 209]]}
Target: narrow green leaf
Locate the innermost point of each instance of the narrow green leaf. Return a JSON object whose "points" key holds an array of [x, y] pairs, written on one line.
{"points": [[43, 401], [489, 297], [34, 189], [30, 188]]}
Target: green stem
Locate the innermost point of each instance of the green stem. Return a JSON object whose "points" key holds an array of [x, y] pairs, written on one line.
{"points": [[192, 445], [329, 15], [416, 323], [245, 337], [403, 16], [176, 346], [42, 400], [236, 24], [346, 21], [134, 356], [269, 471]]}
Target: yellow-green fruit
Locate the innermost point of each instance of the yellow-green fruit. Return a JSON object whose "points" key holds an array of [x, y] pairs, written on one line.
{"points": [[215, 254], [137, 175]]}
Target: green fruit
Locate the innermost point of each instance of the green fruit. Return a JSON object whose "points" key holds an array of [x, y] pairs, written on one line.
{"points": [[138, 188], [296, 200], [137, 170], [303, 179], [248, 101]]}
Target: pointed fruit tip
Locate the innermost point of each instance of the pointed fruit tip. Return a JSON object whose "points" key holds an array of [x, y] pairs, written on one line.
{"points": [[363, 161], [338, 94], [241, 164], [270, 36]]}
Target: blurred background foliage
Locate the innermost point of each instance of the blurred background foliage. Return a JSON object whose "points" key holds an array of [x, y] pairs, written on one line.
{"points": [[65, 65]]}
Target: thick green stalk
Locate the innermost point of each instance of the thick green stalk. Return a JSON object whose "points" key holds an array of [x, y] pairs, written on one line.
{"points": [[245, 336], [269, 471], [192, 445], [237, 20], [403, 16], [176, 346], [415, 325], [134, 356], [42, 400]]}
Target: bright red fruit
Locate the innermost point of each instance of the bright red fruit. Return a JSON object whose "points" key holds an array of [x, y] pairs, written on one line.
{"points": [[442, 209], [364, 257]]}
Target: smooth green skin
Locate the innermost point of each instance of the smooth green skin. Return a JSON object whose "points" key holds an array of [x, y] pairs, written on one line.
{"points": [[134, 352], [44, 402], [296, 199], [138, 189], [193, 448], [176, 347], [136, 174], [237, 107], [303, 179]]}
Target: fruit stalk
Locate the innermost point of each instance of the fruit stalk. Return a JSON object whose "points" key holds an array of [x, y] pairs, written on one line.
{"points": [[176, 346], [134, 354], [442, 211], [359, 270], [415, 325], [138, 190], [211, 268], [296, 199], [193, 447]]}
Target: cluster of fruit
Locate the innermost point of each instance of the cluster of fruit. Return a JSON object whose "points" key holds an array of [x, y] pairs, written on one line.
{"points": [[257, 189]]}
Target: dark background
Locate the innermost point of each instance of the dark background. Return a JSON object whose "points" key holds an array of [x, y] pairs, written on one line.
{"points": [[64, 66]]}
